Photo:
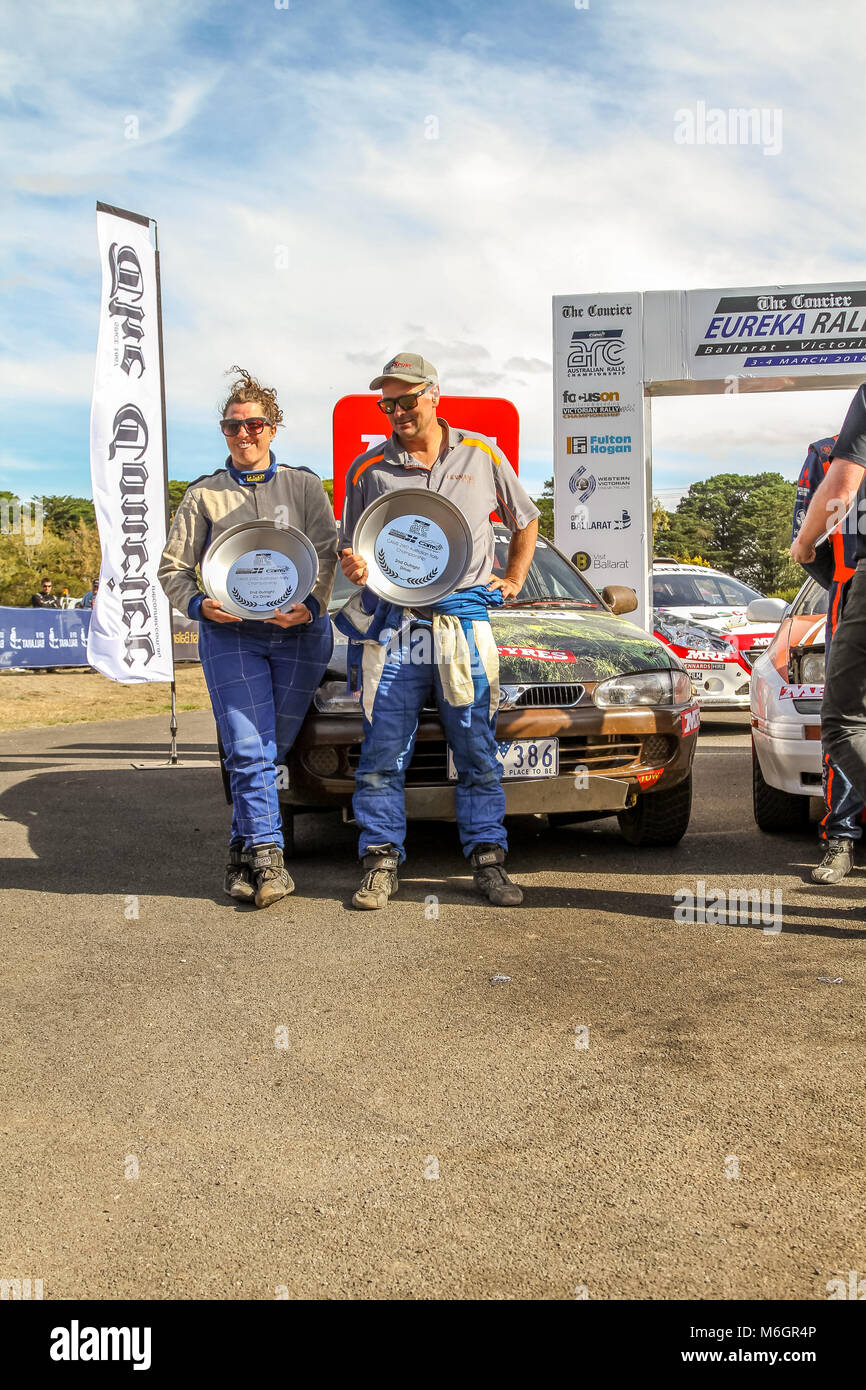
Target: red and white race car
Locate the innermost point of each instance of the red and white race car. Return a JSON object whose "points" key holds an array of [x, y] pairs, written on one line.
{"points": [[719, 662]]}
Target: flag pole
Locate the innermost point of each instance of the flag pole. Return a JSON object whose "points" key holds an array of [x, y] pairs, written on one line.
{"points": [[173, 760], [172, 756]]}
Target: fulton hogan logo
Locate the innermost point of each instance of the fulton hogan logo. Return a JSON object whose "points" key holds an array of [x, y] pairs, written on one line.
{"points": [[76, 1343]]}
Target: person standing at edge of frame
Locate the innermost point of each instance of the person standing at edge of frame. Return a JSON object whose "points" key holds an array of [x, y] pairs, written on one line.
{"points": [[261, 676], [460, 664], [843, 710], [833, 568]]}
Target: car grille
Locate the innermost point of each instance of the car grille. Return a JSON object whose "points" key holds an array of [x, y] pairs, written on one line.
{"points": [[597, 752], [542, 696]]}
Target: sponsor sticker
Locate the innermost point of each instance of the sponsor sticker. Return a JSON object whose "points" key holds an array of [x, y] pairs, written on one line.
{"points": [[801, 692], [691, 720], [537, 653], [650, 776], [694, 654]]}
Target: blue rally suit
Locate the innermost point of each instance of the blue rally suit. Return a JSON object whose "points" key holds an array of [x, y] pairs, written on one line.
{"points": [[405, 658], [260, 677], [833, 568]]}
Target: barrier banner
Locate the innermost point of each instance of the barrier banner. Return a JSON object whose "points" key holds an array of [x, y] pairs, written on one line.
{"points": [[130, 635], [44, 636], [40, 637]]}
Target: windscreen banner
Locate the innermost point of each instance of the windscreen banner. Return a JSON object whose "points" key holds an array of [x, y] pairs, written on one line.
{"points": [[130, 635], [599, 473]]}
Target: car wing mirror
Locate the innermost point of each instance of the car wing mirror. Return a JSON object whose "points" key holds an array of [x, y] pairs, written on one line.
{"points": [[619, 598], [766, 610]]}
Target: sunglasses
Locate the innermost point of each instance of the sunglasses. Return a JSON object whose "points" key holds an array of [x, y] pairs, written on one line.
{"points": [[230, 428], [405, 402]]}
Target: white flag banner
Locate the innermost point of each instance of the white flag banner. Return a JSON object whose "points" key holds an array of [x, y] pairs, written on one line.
{"points": [[130, 631]]}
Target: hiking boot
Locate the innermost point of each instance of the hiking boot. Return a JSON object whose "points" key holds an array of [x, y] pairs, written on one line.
{"points": [[490, 877], [270, 879], [380, 880], [837, 862], [238, 880]]}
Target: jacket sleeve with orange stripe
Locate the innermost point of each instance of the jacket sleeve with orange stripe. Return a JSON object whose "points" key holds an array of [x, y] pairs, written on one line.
{"points": [[513, 502], [354, 504]]}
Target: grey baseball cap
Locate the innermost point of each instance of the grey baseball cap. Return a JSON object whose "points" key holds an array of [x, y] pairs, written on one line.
{"points": [[407, 366]]}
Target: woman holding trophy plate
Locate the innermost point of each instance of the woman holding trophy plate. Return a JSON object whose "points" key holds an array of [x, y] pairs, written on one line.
{"points": [[265, 537]]}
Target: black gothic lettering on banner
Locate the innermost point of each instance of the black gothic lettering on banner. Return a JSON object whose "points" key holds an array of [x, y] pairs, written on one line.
{"points": [[127, 287], [130, 433]]}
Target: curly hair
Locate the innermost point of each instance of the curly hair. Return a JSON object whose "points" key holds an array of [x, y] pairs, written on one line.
{"points": [[246, 388]]}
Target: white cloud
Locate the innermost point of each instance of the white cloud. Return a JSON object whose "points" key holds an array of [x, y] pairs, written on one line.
{"points": [[538, 183]]}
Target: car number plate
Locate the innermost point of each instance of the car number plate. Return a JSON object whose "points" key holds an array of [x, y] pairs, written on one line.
{"points": [[522, 757]]}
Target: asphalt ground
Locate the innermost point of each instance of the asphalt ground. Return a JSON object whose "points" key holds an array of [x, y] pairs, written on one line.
{"points": [[206, 1101]]}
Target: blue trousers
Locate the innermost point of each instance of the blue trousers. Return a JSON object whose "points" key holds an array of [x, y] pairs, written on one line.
{"points": [[261, 679], [378, 804], [843, 806]]}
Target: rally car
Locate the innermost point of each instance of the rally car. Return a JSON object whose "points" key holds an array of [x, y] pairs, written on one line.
{"points": [[596, 717], [787, 690], [701, 614]]}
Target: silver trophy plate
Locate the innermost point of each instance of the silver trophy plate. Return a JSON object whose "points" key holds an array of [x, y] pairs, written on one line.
{"points": [[417, 545], [258, 566]]}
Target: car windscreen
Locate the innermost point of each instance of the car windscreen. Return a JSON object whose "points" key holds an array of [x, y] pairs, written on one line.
{"points": [[812, 599], [550, 577], [701, 591], [676, 591]]}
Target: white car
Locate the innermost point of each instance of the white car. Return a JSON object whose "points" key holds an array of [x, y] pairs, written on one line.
{"points": [[787, 690], [701, 614]]}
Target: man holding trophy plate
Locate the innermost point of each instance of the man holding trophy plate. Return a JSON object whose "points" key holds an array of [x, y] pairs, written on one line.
{"points": [[416, 538]]}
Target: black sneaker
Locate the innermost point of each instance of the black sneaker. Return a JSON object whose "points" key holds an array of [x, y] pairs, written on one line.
{"points": [[490, 877], [270, 877], [238, 880], [837, 862], [380, 880]]}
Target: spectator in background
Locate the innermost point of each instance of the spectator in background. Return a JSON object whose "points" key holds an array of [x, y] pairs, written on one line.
{"points": [[90, 597], [46, 598]]}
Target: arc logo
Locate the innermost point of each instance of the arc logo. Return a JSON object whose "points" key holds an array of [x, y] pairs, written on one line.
{"points": [[596, 351]]}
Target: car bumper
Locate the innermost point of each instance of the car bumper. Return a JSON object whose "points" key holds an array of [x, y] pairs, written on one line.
{"points": [[789, 763], [722, 690], [606, 761]]}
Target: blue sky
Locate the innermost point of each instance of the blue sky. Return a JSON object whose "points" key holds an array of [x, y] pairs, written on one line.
{"points": [[553, 171]]}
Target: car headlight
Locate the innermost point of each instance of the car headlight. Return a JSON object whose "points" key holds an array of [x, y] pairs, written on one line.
{"points": [[644, 688], [333, 698], [812, 668]]}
